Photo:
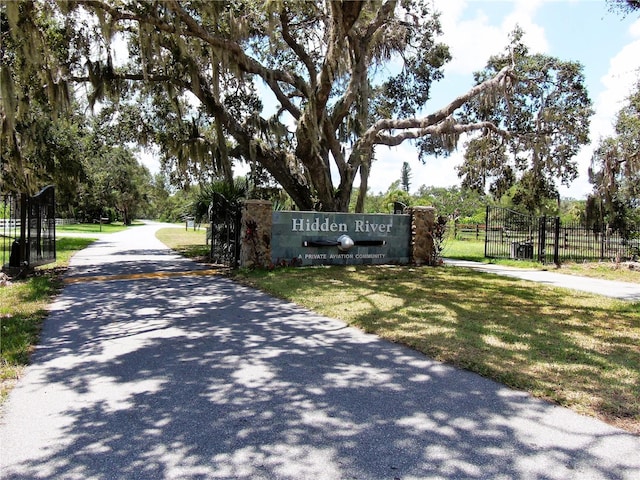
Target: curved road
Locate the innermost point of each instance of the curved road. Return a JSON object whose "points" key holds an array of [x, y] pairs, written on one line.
{"points": [[151, 367]]}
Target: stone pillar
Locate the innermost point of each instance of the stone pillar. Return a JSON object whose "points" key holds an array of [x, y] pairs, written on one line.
{"points": [[422, 227], [255, 234]]}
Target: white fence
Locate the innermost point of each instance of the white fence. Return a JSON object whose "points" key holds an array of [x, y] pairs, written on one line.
{"points": [[66, 221], [9, 223]]}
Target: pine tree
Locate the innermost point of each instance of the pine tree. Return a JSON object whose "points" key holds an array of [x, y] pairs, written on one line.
{"points": [[405, 177]]}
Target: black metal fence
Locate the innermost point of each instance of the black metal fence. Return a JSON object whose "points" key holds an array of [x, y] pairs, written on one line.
{"points": [[513, 235], [224, 232], [509, 234], [577, 242], [28, 227]]}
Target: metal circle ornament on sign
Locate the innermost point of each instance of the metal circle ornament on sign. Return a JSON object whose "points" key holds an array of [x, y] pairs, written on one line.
{"points": [[345, 243]]}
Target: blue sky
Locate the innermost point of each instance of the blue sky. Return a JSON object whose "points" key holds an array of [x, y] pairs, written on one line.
{"points": [[605, 43]]}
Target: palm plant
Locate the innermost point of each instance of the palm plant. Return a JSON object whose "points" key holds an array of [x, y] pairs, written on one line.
{"points": [[219, 199]]}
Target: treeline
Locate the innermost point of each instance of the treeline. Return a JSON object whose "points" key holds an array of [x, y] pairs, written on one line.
{"points": [[456, 203], [468, 206]]}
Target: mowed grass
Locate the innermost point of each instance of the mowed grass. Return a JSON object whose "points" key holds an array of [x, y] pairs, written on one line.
{"points": [[23, 307], [463, 249], [620, 272], [578, 350], [91, 228], [190, 243]]}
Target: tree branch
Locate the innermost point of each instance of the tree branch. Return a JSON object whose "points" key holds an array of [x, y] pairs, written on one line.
{"points": [[360, 53], [193, 29], [443, 128], [372, 135], [127, 76], [297, 48], [243, 61], [382, 17]]}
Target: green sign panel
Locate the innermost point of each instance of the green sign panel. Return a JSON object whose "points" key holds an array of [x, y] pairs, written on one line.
{"points": [[316, 238]]}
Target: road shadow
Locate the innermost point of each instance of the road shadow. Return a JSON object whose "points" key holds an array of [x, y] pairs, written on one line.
{"points": [[199, 377]]}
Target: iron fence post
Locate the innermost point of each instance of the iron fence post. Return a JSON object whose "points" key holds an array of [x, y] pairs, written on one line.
{"points": [[542, 239], [23, 228], [486, 231], [556, 241]]}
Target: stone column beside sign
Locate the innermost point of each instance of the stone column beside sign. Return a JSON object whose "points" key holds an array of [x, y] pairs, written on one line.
{"points": [[422, 227], [255, 234]]}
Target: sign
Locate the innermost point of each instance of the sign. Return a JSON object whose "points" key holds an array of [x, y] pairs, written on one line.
{"points": [[317, 238]]}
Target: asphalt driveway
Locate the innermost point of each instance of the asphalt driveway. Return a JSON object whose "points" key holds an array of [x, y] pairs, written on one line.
{"points": [[151, 367]]}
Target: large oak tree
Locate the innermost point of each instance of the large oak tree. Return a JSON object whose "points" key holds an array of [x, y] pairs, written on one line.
{"points": [[40, 132], [343, 79], [548, 119]]}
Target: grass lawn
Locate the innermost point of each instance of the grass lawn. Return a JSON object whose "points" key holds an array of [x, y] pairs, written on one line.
{"points": [[464, 249], [190, 243], [91, 228], [578, 350], [23, 307], [606, 270]]}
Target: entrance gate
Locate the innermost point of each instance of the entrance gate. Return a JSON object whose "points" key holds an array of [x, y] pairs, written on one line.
{"points": [[511, 234], [28, 229], [224, 231]]}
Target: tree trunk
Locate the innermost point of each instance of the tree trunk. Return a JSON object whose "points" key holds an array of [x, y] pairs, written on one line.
{"points": [[308, 151], [364, 186], [276, 164]]}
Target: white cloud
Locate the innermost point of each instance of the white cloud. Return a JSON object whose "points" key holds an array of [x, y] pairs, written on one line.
{"points": [[473, 40], [634, 29], [438, 172], [623, 73], [470, 42]]}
